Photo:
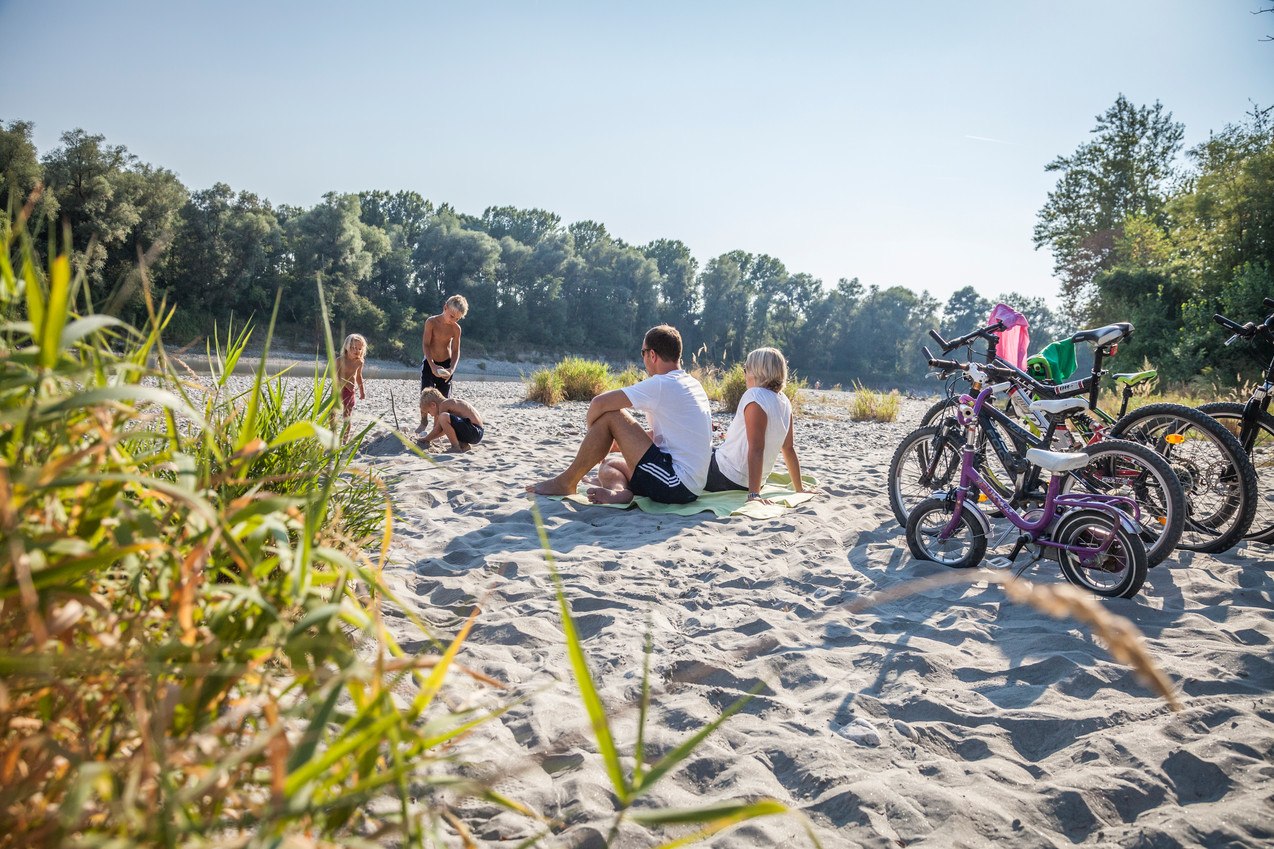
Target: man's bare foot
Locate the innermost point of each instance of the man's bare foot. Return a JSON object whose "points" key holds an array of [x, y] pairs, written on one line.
{"points": [[552, 486], [601, 495]]}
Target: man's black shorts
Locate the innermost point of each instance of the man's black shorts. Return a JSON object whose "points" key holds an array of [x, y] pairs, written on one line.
{"points": [[428, 378], [655, 478]]}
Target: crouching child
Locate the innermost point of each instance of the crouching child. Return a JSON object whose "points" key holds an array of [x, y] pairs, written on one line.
{"points": [[454, 418]]}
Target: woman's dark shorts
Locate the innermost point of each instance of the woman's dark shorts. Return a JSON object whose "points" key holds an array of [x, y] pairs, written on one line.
{"points": [[717, 481]]}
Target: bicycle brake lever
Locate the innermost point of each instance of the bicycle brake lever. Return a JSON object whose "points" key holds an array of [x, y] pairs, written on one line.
{"points": [[1231, 340]]}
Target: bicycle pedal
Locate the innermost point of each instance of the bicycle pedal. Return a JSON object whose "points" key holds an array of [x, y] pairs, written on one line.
{"points": [[998, 563]]}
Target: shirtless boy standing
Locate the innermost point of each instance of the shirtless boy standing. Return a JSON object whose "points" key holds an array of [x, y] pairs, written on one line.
{"points": [[441, 347]]}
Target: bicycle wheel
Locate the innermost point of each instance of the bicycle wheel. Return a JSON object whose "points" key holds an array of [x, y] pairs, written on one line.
{"points": [[965, 547], [1261, 453], [1216, 475], [926, 461], [1119, 572], [1118, 467]]}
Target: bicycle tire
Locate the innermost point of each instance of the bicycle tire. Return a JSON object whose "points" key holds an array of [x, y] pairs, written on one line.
{"points": [[1124, 561], [911, 480], [1216, 474], [1118, 467], [932, 515], [1230, 415]]}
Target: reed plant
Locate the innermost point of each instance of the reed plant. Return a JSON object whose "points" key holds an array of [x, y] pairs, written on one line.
{"points": [[191, 647]]}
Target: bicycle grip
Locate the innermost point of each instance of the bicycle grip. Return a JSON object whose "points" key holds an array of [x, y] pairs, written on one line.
{"points": [[1269, 302], [1227, 323], [942, 343]]}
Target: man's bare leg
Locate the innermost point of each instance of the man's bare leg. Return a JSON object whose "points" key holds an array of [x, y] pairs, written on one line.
{"points": [[616, 427]]}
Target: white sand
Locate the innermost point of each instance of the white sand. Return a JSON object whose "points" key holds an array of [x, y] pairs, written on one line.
{"points": [[951, 718]]}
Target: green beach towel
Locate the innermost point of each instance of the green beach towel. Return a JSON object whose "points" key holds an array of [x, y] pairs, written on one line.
{"points": [[778, 488]]}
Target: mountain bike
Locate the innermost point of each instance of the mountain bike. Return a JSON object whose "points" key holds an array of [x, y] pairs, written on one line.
{"points": [[1252, 424], [930, 458], [1095, 538], [1217, 477]]}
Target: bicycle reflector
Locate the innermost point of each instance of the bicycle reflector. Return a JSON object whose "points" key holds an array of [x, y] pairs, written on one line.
{"points": [[1114, 349], [1175, 438]]}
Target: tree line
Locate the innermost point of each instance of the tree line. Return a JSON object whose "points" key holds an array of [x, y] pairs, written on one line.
{"points": [[1135, 237]]}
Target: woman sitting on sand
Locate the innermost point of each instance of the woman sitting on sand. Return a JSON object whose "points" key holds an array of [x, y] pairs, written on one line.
{"points": [[762, 426]]}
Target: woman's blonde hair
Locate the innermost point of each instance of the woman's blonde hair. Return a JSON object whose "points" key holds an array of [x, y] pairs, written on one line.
{"points": [[768, 367], [350, 340]]}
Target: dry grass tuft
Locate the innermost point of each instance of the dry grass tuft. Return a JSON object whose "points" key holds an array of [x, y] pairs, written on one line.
{"points": [[868, 405]]}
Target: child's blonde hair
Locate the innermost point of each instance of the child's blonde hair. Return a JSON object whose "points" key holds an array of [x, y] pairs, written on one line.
{"points": [[350, 340], [430, 396], [768, 367], [459, 304]]}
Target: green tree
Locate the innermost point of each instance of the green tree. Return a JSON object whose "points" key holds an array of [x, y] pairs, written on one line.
{"points": [[329, 244], [20, 172], [1126, 169], [964, 311]]}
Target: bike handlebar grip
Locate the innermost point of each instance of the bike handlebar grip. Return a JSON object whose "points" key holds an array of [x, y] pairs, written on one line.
{"points": [[1225, 322], [1269, 302], [942, 343]]}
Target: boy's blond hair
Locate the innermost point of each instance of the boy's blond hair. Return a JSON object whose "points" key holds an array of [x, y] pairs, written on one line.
{"points": [[430, 396], [459, 304], [768, 367]]}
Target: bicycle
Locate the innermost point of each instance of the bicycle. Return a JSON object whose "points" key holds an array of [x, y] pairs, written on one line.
{"points": [[1253, 425], [1216, 475], [1097, 542], [930, 457]]}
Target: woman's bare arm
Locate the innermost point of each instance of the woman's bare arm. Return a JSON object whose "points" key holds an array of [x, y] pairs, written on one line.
{"points": [[755, 420]]}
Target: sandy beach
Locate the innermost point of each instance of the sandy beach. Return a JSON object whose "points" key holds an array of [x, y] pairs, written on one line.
{"points": [[948, 718]]}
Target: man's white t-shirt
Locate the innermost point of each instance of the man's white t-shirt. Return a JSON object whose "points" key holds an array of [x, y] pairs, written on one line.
{"points": [[680, 422], [732, 454]]}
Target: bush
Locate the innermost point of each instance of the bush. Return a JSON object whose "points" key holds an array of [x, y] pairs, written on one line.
{"points": [[731, 386], [545, 387], [629, 376], [868, 405], [582, 380]]}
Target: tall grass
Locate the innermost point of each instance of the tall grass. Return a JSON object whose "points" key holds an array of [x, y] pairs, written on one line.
{"points": [[868, 405], [190, 636], [576, 379]]}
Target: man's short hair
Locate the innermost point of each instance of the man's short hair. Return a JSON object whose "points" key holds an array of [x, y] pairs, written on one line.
{"points": [[459, 304], [665, 341], [430, 395], [768, 367]]}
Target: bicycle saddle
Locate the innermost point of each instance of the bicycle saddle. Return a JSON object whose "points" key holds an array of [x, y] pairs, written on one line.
{"points": [[1100, 336], [1136, 377], [1059, 406], [1056, 461]]}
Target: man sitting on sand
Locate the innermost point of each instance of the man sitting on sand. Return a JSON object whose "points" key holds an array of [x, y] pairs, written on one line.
{"points": [[668, 464]]}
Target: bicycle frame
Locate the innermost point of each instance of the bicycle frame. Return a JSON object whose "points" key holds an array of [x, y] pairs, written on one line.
{"points": [[1115, 506]]}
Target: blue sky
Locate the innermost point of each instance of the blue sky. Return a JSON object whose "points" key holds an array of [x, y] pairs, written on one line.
{"points": [[900, 143]]}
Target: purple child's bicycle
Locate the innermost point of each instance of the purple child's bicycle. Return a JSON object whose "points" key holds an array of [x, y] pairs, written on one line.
{"points": [[1095, 538]]}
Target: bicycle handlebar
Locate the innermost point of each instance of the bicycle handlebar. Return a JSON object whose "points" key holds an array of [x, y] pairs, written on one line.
{"points": [[1242, 330], [1269, 302], [987, 333], [944, 365]]}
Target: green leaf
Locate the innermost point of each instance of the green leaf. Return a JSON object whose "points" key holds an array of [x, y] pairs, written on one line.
{"points": [[683, 751], [712, 818]]}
